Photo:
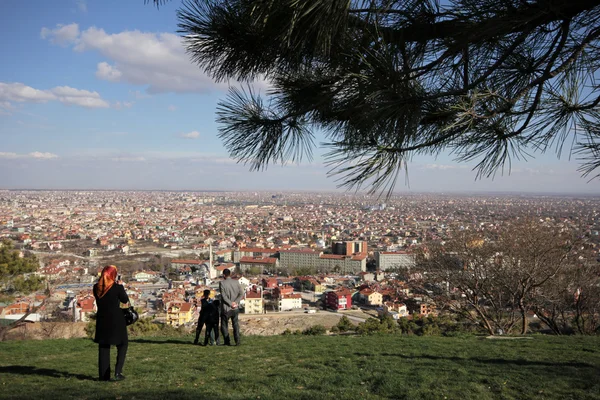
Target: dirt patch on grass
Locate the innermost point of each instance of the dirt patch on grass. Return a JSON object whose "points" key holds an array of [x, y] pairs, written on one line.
{"points": [[276, 324], [48, 330]]}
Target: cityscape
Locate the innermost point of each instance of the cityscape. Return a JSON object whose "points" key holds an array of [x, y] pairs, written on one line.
{"points": [[307, 253], [378, 199]]}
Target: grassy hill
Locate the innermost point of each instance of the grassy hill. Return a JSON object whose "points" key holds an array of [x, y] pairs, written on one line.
{"points": [[310, 367]]}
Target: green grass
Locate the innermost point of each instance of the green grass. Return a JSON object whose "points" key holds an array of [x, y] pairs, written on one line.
{"points": [[315, 367]]}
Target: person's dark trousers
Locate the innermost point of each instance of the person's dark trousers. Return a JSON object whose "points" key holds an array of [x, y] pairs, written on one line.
{"points": [[212, 334], [104, 360], [199, 329], [225, 317]]}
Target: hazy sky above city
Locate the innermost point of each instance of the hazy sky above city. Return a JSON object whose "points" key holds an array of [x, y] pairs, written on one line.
{"points": [[101, 95]]}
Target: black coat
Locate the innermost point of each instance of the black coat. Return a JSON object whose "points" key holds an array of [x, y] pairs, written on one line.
{"points": [[214, 313], [205, 310], [110, 322]]}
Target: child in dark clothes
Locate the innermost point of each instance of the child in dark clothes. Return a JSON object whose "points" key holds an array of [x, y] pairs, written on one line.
{"points": [[212, 324], [204, 313]]}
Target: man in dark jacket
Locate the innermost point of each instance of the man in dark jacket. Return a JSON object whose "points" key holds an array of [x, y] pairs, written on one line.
{"points": [[231, 294]]}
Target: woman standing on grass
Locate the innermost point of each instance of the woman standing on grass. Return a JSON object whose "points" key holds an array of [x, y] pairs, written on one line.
{"points": [[110, 322]]}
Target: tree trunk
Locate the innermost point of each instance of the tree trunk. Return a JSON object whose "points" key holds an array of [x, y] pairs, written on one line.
{"points": [[486, 322], [523, 317], [550, 320], [19, 322], [7, 328]]}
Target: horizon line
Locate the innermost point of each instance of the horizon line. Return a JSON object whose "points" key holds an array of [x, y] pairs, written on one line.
{"points": [[328, 191]]}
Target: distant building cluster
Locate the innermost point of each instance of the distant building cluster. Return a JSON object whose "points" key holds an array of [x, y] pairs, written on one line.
{"points": [[290, 251]]}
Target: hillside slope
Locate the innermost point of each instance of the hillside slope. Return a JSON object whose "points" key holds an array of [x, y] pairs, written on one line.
{"points": [[307, 367]]}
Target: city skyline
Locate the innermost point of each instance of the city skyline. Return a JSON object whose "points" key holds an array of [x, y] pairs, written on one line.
{"points": [[101, 95]]}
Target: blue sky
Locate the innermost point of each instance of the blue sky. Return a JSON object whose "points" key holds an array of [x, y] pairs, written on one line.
{"points": [[101, 95]]}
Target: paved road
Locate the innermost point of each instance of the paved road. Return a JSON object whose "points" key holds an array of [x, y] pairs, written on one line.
{"points": [[75, 286], [351, 317], [151, 287]]}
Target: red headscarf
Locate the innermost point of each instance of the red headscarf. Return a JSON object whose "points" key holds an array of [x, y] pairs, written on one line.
{"points": [[107, 279]]}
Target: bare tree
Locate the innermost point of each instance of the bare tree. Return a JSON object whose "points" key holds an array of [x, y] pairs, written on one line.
{"points": [[495, 277], [586, 297], [532, 254], [554, 302], [465, 271]]}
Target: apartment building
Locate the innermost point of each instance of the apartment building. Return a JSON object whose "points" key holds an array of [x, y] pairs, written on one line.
{"points": [[386, 260]]}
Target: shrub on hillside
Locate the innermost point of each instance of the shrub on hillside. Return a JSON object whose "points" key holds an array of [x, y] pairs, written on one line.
{"points": [[144, 327], [315, 330], [345, 325], [381, 325], [90, 329], [407, 326], [446, 325]]}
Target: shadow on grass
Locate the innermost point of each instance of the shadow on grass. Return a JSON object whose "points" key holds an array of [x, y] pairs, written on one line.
{"points": [[163, 341], [53, 373], [577, 375], [124, 393], [490, 361]]}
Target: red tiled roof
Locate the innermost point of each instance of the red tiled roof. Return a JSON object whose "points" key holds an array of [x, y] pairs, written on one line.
{"points": [[253, 295], [343, 292], [298, 250], [291, 296], [257, 250], [255, 260]]}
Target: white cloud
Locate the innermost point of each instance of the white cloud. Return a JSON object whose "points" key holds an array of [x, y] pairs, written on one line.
{"points": [[101, 154], [21, 93], [36, 154], [6, 108], [190, 135], [442, 167], [128, 159], [171, 108], [8, 155], [156, 60], [18, 92], [83, 98], [108, 72], [62, 34]]}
